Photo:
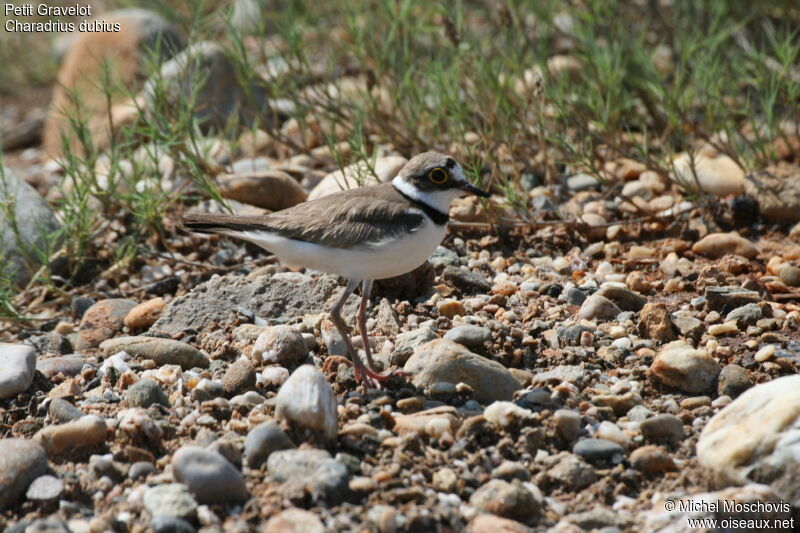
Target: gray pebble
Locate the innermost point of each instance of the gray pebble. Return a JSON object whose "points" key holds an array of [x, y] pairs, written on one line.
{"points": [[598, 450], [664, 426], [145, 393], [469, 336], [172, 500], [262, 440], [208, 475]]}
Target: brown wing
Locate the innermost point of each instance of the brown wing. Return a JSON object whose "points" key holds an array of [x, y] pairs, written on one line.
{"points": [[342, 220]]}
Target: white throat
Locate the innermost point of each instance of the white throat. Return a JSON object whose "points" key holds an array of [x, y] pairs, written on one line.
{"points": [[439, 200]]}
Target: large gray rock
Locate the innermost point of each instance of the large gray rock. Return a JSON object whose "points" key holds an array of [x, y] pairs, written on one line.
{"points": [[26, 231], [203, 73], [757, 438], [266, 297], [17, 366], [21, 461], [441, 360]]}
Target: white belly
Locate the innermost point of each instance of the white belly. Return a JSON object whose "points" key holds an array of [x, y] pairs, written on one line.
{"points": [[385, 259]]}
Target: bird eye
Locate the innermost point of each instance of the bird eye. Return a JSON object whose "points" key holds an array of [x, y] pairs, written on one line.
{"points": [[438, 175]]}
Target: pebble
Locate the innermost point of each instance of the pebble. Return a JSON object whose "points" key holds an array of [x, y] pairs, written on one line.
{"points": [[652, 460], [239, 378], [262, 440], [294, 521], [141, 469], [50, 343], [679, 365], [445, 480], [598, 450], [725, 299], [21, 462], [172, 500], [407, 342], [145, 393], [505, 414], [508, 500], [718, 175], [582, 182], [45, 488], [85, 432], [790, 275], [311, 470], [619, 403], [568, 424], [443, 257], [572, 472], [442, 360], [307, 400], [144, 315], [723, 329], [758, 430], [716, 245], [473, 337], [655, 323], [279, 344], [450, 307], [275, 375], [17, 366], [61, 411], [69, 365], [662, 427], [170, 524], [746, 315], [465, 280], [764, 353], [598, 307], [102, 321], [162, 351], [689, 326], [733, 381], [626, 299], [209, 476], [489, 523], [269, 189]]}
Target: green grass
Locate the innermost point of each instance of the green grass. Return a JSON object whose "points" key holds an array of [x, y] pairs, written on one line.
{"points": [[651, 80]]}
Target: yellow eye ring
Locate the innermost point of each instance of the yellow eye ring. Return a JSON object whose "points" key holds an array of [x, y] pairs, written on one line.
{"points": [[438, 175]]}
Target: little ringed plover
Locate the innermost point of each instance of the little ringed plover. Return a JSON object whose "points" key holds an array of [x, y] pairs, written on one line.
{"points": [[363, 234]]}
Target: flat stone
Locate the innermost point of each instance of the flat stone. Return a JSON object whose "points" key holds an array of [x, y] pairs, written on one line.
{"points": [[725, 299], [263, 440], [172, 499], [216, 301], [441, 360], [269, 189], [307, 400], [689, 326], [469, 336], [312, 471], [102, 321], [489, 523], [406, 343], [69, 365], [21, 462], [444, 257], [679, 365], [17, 366], [162, 351], [465, 280], [598, 450], [572, 472], [170, 524], [209, 476], [85, 432]]}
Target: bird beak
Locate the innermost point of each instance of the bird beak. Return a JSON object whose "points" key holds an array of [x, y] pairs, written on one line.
{"points": [[470, 188]]}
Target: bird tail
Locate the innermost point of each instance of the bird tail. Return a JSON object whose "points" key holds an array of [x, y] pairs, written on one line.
{"points": [[222, 224]]}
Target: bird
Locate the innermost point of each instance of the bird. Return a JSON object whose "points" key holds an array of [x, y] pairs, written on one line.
{"points": [[363, 234]]}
